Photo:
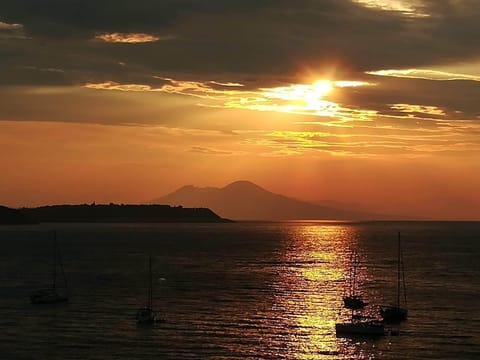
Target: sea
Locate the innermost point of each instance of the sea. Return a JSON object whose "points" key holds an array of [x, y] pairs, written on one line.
{"points": [[245, 290]]}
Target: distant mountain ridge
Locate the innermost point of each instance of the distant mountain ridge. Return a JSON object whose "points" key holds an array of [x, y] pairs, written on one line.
{"points": [[244, 200]]}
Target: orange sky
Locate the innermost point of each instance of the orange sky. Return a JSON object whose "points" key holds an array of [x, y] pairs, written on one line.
{"points": [[129, 111]]}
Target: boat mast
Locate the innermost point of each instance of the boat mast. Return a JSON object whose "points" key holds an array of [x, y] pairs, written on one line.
{"points": [[54, 259], [62, 270], [150, 281], [350, 276], [398, 271], [355, 262], [403, 279]]}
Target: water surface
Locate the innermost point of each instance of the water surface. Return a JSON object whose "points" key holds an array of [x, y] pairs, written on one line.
{"points": [[238, 291]]}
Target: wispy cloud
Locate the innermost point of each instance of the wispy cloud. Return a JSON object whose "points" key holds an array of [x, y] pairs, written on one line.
{"points": [[402, 6], [51, 70], [112, 85], [304, 99], [6, 26], [14, 31], [234, 84], [127, 38], [423, 109], [424, 74]]}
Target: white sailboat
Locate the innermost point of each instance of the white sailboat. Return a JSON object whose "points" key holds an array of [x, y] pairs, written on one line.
{"points": [[55, 293], [146, 315]]}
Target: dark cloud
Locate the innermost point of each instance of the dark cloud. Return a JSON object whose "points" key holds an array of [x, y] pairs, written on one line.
{"points": [[61, 18], [457, 98], [259, 43]]}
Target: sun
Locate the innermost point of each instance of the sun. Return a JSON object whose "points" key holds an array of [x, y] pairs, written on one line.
{"points": [[314, 94], [322, 87]]}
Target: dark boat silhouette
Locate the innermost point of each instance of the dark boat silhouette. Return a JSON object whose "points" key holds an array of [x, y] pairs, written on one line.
{"points": [[54, 293], [353, 300], [146, 315], [360, 328], [359, 325], [397, 313]]}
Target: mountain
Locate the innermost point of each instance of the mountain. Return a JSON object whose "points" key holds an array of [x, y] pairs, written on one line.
{"points": [[244, 200], [10, 216]]}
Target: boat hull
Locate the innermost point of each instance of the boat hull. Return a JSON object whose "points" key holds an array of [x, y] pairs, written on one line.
{"points": [[47, 297], [146, 316], [394, 314], [360, 329], [353, 302]]}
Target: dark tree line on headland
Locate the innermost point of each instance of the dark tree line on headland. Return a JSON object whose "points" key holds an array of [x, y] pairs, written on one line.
{"points": [[107, 213]]}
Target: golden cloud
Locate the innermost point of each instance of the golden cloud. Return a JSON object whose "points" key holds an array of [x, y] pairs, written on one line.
{"points": [[127, 38], [402, 6], [424, 109], [424, 74], [305, 99]]}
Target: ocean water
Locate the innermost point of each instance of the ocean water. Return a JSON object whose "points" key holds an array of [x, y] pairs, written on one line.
{"points": [[238, 291]]}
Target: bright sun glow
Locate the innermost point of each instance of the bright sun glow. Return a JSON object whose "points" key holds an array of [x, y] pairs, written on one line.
{"points": [[322, 87], [316, 92], [306, 99]]}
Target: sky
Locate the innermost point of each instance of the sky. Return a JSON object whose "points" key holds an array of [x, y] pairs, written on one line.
{"points": [[372, 103]]}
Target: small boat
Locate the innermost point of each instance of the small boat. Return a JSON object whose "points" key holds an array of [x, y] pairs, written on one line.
{"points": [[360, 328], [146, 315], [53, 294], [353, 301], [397, 313]]}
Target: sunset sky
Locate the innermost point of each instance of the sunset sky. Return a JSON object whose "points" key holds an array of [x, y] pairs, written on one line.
{"points": [[374, 103]]}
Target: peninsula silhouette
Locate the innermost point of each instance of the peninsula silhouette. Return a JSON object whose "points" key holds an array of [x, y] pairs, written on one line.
{"points": [[116, 213]]}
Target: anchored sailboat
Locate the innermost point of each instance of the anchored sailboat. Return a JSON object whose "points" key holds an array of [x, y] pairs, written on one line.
{"points": [[146, 315], [398, 312], [353, 300], [359, 325], [55, 293]]}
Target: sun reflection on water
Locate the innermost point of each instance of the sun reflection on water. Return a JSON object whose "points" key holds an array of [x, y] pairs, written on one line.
{"points": [[310, 289]]}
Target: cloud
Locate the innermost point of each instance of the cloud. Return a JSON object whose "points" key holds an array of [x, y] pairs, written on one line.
{"points": [[210, 151], [11, 31], [256, 37], [112, 85], [6, 26], [424, 74], [127, 38], [421, 109], [305, 99], [347, 101], [51, 70], [408, 8]]}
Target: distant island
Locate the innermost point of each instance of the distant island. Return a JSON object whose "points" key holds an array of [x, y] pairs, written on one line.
{"points": [[244, 200], [109, 213]]}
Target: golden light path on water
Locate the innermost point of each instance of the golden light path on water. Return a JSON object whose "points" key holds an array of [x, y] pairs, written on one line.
{"points": [[311, 288]]}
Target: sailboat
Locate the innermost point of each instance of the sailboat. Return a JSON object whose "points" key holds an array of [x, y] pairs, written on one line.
{"points": [[353, 300], [146, 315], [53, 294], [358, 325], [396, 313]]}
